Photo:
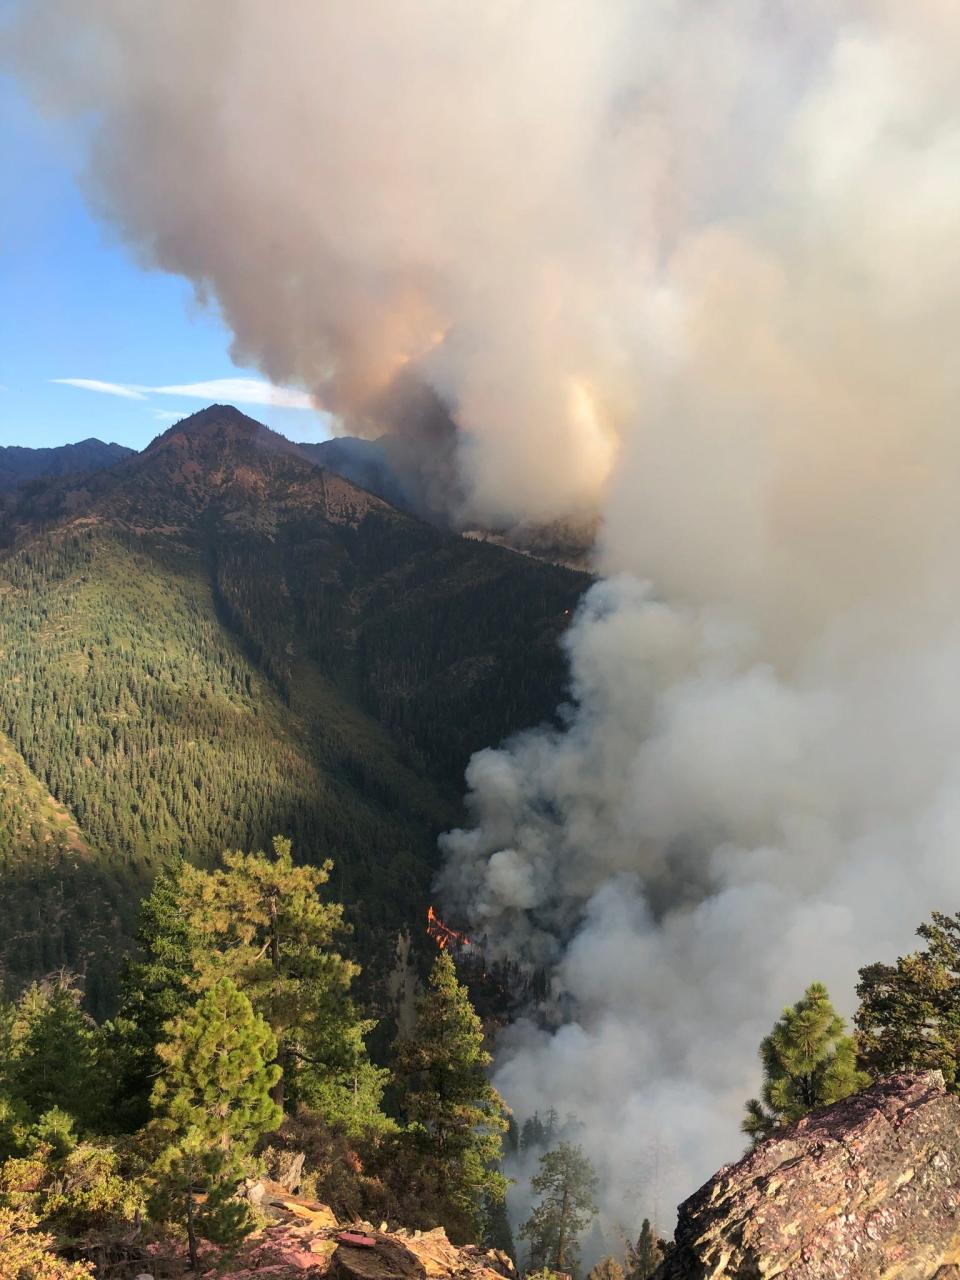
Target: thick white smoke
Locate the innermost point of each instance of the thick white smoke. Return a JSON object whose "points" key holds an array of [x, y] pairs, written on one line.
{"points": [[695, 264]]}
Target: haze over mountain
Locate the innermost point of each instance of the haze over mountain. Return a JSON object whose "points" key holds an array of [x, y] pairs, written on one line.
{"points": [[216, 640]]}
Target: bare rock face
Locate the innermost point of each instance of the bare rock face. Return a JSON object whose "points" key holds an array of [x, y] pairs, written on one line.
{"points": [[868, 1189]]}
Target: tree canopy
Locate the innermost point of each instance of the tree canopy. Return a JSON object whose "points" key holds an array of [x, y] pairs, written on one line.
{"points": [[455, 1118], [213, 1102], [909, 1014], [808, 1061], [567, 1186]]}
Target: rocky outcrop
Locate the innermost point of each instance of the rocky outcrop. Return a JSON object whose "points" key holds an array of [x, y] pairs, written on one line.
{"points": [[868, 1189], [302, 1240]]}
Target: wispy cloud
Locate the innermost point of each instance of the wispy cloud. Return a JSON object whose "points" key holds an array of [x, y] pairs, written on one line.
{"points": [[232, 390], [105, 388], [241, 391], [170, 415]]}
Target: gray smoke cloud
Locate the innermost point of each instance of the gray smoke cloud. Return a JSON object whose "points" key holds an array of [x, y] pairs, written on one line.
{"points": [[694, 266], [757, 783]]}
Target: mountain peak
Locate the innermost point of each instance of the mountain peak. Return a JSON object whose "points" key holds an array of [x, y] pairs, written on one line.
{"points": [[226, 424], [217, 464]]}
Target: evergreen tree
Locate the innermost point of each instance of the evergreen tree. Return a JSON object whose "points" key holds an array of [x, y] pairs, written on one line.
{"points": [[155, 988], [497, 1232], [261, 922], [346, 1095], [455, 1117], [54, 1131], [54, 1053], [645, 1256], [551, 1126], [533, 1133], [213, 1103], [909, 1014], [566, 1185], [808, 1061], [606, 1269], [15, 1122], [511, 1141]]}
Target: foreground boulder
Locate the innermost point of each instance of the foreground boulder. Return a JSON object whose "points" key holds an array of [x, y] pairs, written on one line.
{"points": [[302, 1240], [868, 1189]]}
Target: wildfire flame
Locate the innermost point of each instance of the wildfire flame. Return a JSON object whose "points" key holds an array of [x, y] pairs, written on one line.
{"points": [[442, 934]]}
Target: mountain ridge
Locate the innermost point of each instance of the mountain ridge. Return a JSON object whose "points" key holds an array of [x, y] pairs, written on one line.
{"points": [[216, 640], [21, 464]]}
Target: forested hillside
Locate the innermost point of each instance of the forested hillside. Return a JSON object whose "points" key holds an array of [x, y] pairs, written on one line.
{"points": [[215, 641]]}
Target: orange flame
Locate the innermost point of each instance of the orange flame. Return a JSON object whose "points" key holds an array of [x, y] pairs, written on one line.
{"points": [[442, 934]]}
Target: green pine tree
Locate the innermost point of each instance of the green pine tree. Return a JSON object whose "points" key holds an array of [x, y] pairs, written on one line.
{"points": [[261, 922], [645, 1256], [511, 1141], [54, 1131], [497, 1232], [213, 1102], [455, 1118], [54, 1050], [347, 1095], [808, 1061], [909, 1014], [156, 987], [566, 1184], [533, 1133]]}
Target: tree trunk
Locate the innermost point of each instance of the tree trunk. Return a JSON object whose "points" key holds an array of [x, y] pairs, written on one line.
{"points": [[562, 1234], [192, 1236], [278, 1092]]}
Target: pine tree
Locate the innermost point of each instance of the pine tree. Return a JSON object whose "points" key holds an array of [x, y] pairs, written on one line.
{"points": [[808, 1061], [261, 922], [533, 1133], [497, 1232], [551, 1126], [455, 1117], [511, 1141], [213, 1102], [566, 1184], [645, 1256], [606, 1269], [348, 1096], [155, 988], [909, 1014], [54, 1053]]}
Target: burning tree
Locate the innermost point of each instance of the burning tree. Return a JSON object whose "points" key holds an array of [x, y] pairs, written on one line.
{"points": [[446, 938]]}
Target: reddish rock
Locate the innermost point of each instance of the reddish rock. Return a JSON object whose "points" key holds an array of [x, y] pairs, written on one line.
{"points": [[868, 1189], [303, 1241]]}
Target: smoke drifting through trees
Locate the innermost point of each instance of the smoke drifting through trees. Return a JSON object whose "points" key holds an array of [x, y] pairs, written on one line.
{"points": [[697, 265]]}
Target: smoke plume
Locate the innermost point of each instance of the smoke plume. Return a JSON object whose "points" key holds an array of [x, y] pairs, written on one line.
{"points": [[695, 265]]}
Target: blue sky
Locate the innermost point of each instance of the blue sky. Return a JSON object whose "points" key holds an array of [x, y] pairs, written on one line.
{"points": [[75, 305]]}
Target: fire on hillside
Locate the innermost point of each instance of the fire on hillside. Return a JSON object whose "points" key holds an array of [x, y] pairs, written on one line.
{"points": [[442, 934]]}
